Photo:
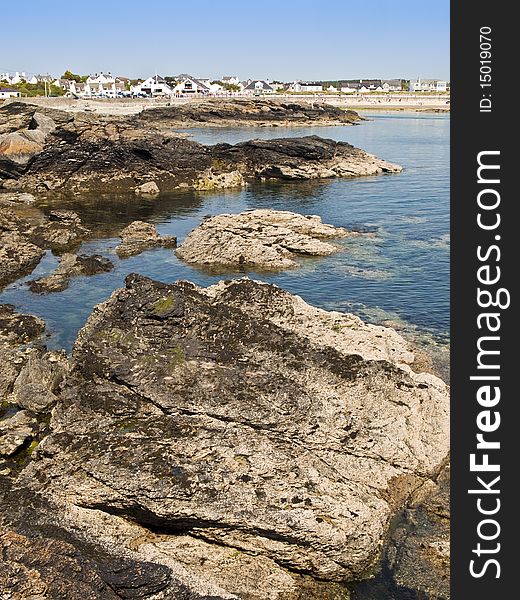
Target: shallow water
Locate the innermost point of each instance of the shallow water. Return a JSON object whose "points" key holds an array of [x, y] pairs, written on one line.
{"points": [[399, 274]]}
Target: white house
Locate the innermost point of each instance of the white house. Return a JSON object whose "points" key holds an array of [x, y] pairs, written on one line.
{"points": [[231, 80], [103, 85], [428, 85], [191, 85], [18, 78], [64, 84], [306, 86], [153, 86], [13, 79], [9, 93], [40, 79], [257, 86], [392, 85]]}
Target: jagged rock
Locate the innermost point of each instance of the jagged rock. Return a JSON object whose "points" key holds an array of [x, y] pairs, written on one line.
{"points": [[243, 417], [20, 146], [309, 157], [265, 239], [15, 432], [61, 231], [71, 265], [26, 232], [11, 362], [18, 257], [36, 386], [140, 236], [16, 328], [419, 551], [93, 153], [150, 188]]}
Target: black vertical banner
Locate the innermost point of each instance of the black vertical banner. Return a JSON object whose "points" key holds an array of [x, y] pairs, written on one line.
{"points": [[485, 432]]}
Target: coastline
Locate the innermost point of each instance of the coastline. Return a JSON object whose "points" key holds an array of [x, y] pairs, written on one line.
{"points": [[260, 325], [132, 106]]}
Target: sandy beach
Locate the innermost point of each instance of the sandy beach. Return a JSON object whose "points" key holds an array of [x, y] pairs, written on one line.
{"points": [[129, 106]]}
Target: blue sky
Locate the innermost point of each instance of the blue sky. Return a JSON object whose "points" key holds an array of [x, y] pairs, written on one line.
{"points": [[275, 39]]}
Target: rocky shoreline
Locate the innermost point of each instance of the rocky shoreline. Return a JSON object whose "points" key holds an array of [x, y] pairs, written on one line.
{"points": [[250, 112], [205, 443], [48, 150], [227, 442]]}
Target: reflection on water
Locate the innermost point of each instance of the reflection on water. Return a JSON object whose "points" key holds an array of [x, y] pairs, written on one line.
{"points": [[400, 269]]}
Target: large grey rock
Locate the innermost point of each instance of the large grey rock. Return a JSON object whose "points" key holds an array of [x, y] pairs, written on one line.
{"points": [[242, 417], [15, 432], [20, 146], [36, 386], [265, 239], [36, 568], [18, 257]]}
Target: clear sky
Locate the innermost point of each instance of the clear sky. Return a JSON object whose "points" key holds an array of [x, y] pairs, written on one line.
{"points": [[275, 39]]}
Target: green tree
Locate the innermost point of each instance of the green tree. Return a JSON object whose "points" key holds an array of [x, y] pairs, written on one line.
{"points": [[74, 77], [231, 87]]}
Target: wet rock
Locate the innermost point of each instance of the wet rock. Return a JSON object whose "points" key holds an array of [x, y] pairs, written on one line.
{"points": [[140, 236], [61, 231], [419, 552], [150, 188], [25, 233], [36, 386], [16, 328], [71, 265], [18, 257], [240, 416], [265, 239], [15, 432]]}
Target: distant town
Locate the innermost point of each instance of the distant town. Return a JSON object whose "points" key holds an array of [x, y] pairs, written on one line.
{"points": [[106, 85]]}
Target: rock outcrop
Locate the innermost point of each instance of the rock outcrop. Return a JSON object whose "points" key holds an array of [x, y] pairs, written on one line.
{"points": [[25, 234], [93, 153], [140, 236], [29, 378], [18, 328], [238, 436], [249, 112], [262, 239], [18, 257], [71, 265]]}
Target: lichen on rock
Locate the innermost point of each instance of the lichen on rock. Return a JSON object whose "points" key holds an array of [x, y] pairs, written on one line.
{"points": [[245, 420]]}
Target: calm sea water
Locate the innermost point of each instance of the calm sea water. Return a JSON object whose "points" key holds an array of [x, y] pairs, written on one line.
{"points": [[397, 275]]}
